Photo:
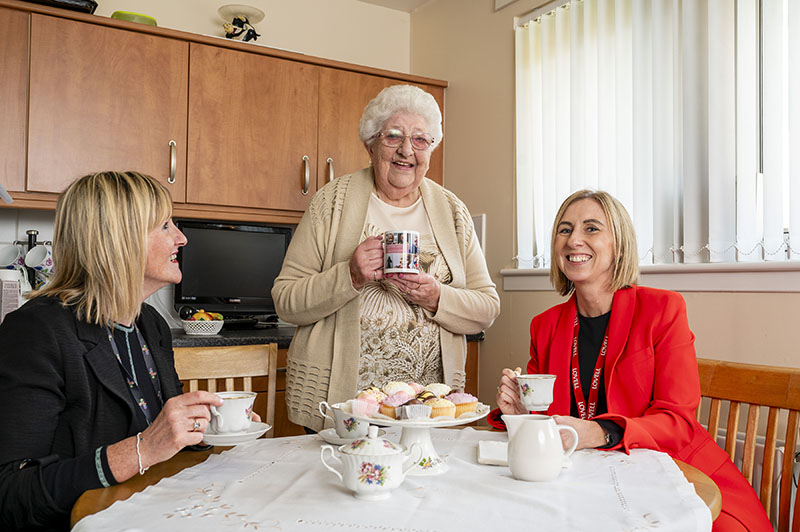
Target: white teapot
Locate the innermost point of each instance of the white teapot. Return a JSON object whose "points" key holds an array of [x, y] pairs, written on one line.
{"points": [[372, 467], [535, 451]]}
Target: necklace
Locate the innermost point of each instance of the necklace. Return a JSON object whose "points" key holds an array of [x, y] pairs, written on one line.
{"points": [[127, 331]]}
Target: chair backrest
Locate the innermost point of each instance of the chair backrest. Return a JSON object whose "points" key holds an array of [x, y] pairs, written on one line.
{"points": [[231, 362], [774, 388]]}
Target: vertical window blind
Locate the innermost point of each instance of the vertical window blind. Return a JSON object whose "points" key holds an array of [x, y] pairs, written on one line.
{"points": [[688, 111]]}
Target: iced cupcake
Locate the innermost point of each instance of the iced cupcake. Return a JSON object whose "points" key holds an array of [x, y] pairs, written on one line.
{"points": [[389, 406], [438, 389], [441, 407], [373, 392], [464, 402], [364, 406], [391, 388], [425, 395], [414, 409], [416, 387]]}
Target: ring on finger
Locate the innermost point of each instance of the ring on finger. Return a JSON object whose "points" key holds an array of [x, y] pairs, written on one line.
{"points": [[374, 275], [196, 425]]}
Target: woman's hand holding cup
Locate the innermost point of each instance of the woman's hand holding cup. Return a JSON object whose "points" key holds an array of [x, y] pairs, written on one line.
{"points": [[508, 400], [420, 288], [181, 422], [366, 264]]}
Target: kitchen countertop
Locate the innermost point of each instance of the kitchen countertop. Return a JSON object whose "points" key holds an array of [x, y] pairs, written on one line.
{"points": [[281, 334]]}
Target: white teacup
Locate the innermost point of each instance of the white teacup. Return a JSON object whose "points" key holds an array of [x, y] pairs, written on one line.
{"points": [[234, 414], [40, 258], [346, 425], [11, 258], [536, 391]]}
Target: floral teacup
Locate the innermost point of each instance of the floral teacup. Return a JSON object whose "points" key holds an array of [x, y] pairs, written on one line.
{"points": [[347, 427]]}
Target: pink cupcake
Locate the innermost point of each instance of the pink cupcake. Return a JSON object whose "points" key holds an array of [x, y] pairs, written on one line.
{"points": [[389, 405], [364, 406], [464, 402], [416, 387]]}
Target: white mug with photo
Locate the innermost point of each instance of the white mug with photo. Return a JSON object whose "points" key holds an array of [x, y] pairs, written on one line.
{"points": [[401, 251]]}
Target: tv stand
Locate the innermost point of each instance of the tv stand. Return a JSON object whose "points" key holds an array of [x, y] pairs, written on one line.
{"points": [[240, 323]]}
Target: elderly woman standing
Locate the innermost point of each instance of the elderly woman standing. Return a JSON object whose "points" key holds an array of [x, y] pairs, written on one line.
{"points": [[87, 379], [357, 327]]}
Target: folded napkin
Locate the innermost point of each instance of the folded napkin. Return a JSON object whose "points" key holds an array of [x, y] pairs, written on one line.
{"points": [[493, 453]]}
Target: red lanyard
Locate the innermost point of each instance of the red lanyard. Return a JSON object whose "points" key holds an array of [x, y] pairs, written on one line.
{"points": [[576, 376]]}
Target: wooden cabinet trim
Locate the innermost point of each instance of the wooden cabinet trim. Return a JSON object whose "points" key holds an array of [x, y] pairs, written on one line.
{"points": [[217, 41]]}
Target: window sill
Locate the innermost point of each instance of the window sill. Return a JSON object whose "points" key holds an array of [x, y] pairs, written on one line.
{"points": [[736, 277]]}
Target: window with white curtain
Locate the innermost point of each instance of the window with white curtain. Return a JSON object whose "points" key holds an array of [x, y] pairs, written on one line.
{"points": [[688, 111]]}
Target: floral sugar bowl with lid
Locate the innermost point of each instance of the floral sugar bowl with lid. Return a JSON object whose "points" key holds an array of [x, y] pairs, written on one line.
{"points": [[371, 467]]}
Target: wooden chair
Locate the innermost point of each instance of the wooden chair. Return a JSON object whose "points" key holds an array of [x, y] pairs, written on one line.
{"points": [[231, 362], [776, 389]]}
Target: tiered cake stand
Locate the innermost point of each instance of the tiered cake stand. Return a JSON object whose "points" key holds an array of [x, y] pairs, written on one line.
{"points": [[419, 431]]}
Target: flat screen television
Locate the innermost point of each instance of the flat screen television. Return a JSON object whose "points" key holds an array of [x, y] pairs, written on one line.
{"points": [[230, 267]]}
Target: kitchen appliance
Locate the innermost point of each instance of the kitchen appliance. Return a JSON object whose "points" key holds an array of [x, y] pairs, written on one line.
{"points": [[230, 267]]}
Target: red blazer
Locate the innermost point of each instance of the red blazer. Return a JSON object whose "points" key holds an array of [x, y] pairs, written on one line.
{"points": [[652, 386]]}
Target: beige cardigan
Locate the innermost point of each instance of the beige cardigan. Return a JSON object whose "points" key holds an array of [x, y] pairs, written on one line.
{"points": [[315, 292]]}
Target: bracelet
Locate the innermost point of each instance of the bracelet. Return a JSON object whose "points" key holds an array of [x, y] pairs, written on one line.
{"points": [[139, 454]]}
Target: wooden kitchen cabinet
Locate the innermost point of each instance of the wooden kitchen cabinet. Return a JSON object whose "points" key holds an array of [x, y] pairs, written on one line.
{"points": [[342, 98], [252, 129], [240, 127], [13, 94], [105, 99]]}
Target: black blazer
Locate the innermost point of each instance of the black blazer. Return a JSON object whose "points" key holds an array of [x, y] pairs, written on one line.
{"points": [[62, 395]]}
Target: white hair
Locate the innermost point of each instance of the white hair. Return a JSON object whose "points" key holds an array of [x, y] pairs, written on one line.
{"points": [[400, 98]]}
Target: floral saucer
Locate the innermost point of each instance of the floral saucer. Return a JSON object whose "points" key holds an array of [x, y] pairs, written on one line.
{"points": [[255, 431]]}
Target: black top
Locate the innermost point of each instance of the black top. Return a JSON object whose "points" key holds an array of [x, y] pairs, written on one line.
{"points": [[65, 396], [591, 332], [142, 375]]}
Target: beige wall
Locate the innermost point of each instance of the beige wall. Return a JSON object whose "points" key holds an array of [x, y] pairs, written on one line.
{"points": [[345, 30], [472, 46]]}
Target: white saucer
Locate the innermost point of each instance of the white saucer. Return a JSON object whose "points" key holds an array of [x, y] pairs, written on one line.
{"points": [[330, 436], [255, 431]]}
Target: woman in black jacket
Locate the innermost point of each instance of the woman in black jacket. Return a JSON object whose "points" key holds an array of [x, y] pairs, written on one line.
{"points": [[88, 387]]}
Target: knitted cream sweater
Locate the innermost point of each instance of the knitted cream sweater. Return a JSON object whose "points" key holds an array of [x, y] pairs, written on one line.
{"points": [[314, 291]]}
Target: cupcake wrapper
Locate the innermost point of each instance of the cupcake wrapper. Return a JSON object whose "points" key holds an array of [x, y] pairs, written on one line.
{"points": [[415, 412]]}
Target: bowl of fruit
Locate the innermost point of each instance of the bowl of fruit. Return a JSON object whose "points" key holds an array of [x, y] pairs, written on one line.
{"points": [[203, 323]]}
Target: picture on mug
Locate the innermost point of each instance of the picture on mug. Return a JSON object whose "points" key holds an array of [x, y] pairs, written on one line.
{"points": [[401, 251]]}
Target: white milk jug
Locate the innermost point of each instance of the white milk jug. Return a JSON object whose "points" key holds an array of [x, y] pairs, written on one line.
{"points": [[535, 452]]}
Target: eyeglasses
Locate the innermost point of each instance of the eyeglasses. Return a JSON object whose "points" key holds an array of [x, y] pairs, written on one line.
{"points": [[394, 138]]}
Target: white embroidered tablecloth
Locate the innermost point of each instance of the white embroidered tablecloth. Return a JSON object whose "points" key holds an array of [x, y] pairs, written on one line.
{"points": [[280, 484]]}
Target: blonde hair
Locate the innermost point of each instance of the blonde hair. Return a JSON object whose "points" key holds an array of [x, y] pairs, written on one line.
{"points": [[100, 243], [626, 255]]}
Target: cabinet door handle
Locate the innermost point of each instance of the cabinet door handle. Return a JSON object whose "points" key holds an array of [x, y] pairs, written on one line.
{"points": [[306, 175], [173, 161], [330, 169]]}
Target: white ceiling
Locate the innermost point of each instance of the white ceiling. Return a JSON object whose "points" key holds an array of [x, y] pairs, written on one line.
{"points": [[401, 5]]}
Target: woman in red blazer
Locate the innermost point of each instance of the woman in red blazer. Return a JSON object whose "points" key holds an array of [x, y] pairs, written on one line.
{"points": [[631, 354]]}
